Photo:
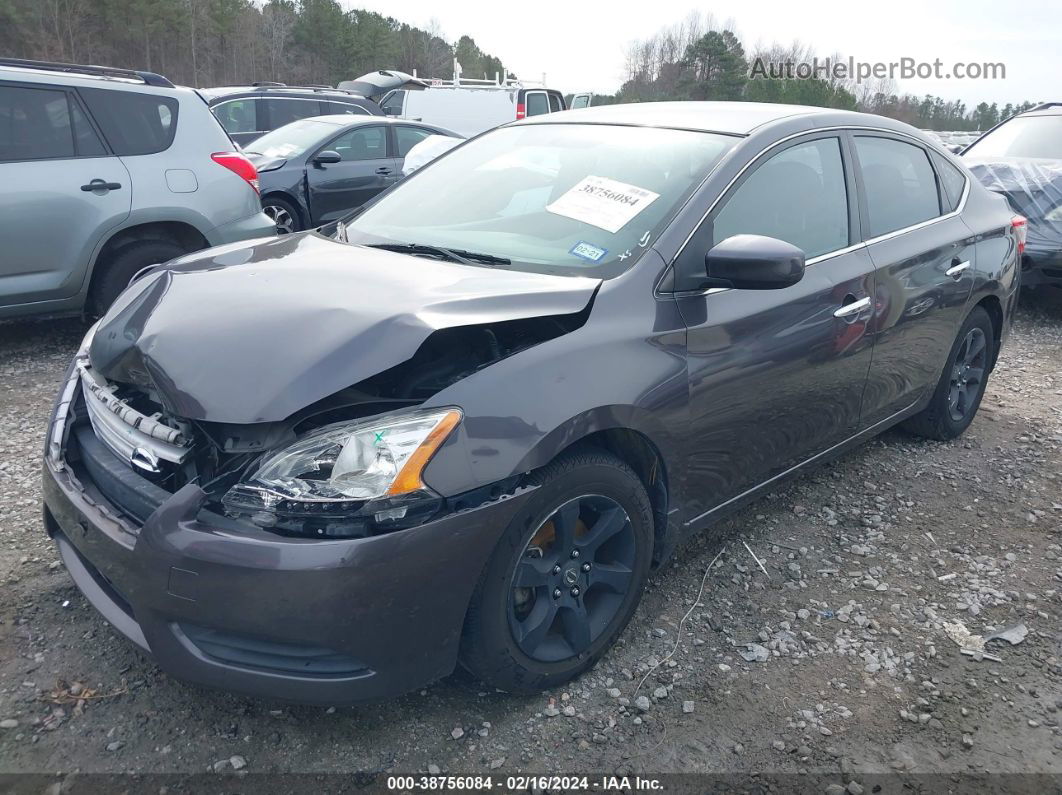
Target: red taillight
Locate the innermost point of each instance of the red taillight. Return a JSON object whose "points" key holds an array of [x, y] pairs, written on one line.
{"points": [[520, 111], [239, 165], [1021, 228]]}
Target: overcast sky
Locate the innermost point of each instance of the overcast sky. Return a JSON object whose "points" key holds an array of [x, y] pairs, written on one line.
{"points": [[580, 45]]}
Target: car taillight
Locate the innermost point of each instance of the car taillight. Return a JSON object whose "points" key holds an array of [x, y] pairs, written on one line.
{"points": [[1021, 227], [238, 164], [520, 111]]}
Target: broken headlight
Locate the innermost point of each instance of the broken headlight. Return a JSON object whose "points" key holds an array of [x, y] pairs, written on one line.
{"points": [[349, 479]]}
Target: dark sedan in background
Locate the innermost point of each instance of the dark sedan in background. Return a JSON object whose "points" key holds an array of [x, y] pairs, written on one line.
{"points": [[317, 170], [1021, 158], [464, 423]]}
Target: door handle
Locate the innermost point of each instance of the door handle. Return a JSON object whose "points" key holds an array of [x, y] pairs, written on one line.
{"points": [[383, 170], [854, 308], [957, 268], [99, 184]]}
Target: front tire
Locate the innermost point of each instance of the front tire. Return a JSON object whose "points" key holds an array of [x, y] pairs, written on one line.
{"points": [[962, 384], [565, 577]]}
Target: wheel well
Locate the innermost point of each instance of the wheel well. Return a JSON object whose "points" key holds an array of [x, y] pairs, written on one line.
{"points": [[188, 237], [642, 456], [287, 197], [994, 308]]}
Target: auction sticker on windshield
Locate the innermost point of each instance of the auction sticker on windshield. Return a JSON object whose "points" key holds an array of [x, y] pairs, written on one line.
{"points": [[603, 202]]}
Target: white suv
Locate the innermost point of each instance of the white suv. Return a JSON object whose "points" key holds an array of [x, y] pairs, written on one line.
{"points": [[105, 172]]}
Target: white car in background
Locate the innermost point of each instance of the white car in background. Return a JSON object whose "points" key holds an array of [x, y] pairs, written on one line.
{"points": [[472, 106]]}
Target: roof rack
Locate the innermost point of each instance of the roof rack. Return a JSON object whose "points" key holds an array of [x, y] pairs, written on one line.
{"points": [[312, 87], [147, 78], [1046, 105]]}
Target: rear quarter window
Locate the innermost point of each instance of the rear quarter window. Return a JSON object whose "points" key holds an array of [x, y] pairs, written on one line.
{"points": [[133, 123], [952, 180]]}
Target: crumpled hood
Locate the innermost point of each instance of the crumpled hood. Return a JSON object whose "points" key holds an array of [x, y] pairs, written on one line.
{"points": [[1033, 187], [254, 332]]}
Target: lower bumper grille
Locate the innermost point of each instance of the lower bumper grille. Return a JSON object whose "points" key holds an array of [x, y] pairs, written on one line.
{"points": [[288, 658]]}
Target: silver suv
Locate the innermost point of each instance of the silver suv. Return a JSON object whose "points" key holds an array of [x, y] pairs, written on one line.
{"points": [[105, 172]]}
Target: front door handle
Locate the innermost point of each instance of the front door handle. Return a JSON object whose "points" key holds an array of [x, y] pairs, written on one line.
{"points": [[383, 170], [854, 308], [99, 184], [957, 268]]}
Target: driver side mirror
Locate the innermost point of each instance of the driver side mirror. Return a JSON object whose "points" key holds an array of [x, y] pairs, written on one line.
{"points": [[754, 262], [326, 157]]}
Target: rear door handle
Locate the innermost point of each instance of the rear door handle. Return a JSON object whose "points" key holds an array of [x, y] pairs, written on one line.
{"points": [[99, 184], [854, 308], [957, 268], [383, 170]]}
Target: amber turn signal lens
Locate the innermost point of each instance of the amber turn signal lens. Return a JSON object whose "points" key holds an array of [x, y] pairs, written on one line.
{"points": [[409, 477]]}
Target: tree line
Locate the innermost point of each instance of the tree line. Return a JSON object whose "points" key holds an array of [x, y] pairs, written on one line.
{"points": [[229, 42], [700, 59]]}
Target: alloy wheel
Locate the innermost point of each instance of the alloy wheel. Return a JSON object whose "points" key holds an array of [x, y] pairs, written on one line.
{"points": [[281, 217], [967, 374], [572, 578]]}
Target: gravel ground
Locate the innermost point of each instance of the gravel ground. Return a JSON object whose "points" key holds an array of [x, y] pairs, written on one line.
{"points": [[837, 660]]}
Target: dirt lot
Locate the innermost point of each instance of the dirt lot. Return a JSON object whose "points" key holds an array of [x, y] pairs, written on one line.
{"points": [[835, 661]]}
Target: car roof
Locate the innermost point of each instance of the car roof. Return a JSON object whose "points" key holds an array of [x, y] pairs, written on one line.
{"points": [[346, 120], [733, 118], [279, 91]]}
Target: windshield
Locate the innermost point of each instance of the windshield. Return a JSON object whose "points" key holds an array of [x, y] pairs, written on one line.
{"points": [[291, 140], [558, 198], [1025, 136]]}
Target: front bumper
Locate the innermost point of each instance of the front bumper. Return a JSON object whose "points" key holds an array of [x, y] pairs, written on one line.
{"points": [[312, 621]]}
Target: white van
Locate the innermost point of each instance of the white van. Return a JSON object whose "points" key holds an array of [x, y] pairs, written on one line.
{"points": [[471, 106]]}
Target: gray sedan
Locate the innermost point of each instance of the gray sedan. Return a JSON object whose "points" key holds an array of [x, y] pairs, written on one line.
{"points": [[463, 424], [316, 170]]}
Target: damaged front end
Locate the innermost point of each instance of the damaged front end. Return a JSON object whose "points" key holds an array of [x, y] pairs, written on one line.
{"points": [[346, 465]]}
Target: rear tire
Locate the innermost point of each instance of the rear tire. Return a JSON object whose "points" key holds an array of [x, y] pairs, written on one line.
{"points": [[113, 276], [578, 584], [962, 384], [284, 214]]}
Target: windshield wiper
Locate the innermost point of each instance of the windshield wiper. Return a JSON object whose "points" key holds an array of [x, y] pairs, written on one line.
{"points": [[451, 254]]}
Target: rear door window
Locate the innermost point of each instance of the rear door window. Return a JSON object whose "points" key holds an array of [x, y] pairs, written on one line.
{"points": [[361, 143], [238, 115], [285, 110], [133, 123], [408, 137], [900, 186], [799, 195], [346, 109], [35, 124]]}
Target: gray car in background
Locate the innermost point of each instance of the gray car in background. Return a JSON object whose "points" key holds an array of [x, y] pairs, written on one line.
{"points": [[105, 172]]}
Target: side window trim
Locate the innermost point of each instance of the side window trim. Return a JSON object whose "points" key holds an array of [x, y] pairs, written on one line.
{"points": [[855, 224], [864, 212]]}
